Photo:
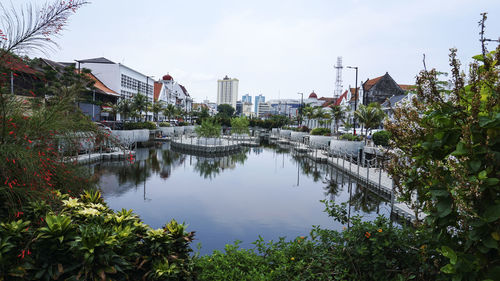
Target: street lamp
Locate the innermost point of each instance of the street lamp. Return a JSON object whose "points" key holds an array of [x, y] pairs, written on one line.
{"points": [[147, 91], [355, 96], [300, 107]]}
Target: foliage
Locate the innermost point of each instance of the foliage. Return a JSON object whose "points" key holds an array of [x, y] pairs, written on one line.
{"points": [[274, 121], [225, 110], [208, 129], [338, 114], [448, 163], [85, 240], [139, 125], [239, 125], [349, 137], [169, 111], [320, 132], [381, 138], [140, 104], [365, 251], [370, 116], [164, 124]]}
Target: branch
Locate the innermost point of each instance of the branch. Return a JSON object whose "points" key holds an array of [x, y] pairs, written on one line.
{"points": [[30, 27]]}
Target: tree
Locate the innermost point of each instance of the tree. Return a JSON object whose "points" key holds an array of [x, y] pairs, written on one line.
{"points": [[239, 125], [370, 116], [33, 130], [169, 111], [225, 110], [140, 103], [308, 112], [156, 108], [125, 108], [447, 162], [209, 128], [338, 113]]}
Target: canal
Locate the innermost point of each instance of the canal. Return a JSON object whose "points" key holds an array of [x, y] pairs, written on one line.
{"points": [[267, 191]]}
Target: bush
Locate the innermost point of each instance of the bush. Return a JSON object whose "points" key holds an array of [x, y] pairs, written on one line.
{"points": [[85, 240], [365, 251], [320, 132], [183, 123], [381, 138], [350, 137], [164, 124], [139, 125]]}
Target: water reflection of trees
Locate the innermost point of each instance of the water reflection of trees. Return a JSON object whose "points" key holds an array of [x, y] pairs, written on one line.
{"points": [[335, 181], [210, 167]]}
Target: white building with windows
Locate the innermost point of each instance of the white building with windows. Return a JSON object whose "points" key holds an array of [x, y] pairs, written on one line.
{"points": [[167, 90], [120, 78], [227, 91]]}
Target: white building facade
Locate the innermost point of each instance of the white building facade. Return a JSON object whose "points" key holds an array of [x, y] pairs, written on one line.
{"points": [[227, 91], [171, 92], [120, 78]]}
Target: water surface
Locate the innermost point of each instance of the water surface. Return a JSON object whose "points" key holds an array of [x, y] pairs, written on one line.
{"points": [[265, 191]]}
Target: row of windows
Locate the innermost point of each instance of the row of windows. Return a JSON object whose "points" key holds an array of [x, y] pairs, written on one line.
{"points": [[130, 95], [136, 85]]}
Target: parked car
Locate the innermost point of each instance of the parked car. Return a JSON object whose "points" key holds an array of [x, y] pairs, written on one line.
{"points": [[102, 127]]}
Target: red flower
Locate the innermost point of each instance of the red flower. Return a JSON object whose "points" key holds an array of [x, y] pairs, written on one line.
{"points": [[367, 234]]}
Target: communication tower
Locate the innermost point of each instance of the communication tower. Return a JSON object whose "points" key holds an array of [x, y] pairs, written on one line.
{"points": [[338, 80]]}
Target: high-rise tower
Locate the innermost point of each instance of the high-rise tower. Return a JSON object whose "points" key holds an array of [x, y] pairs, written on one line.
{"points": [[338, 79]]}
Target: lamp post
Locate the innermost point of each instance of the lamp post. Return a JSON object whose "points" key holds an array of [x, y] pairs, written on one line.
{"points": [[355, 96], [147, 92], [300, 107]]}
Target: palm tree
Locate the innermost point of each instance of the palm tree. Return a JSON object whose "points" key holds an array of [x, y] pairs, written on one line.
{"points": [[125, 108], [370, 116], [156, 108], [308, 112], [112, 108], [140, 103], [169, 111], [338, 114]]}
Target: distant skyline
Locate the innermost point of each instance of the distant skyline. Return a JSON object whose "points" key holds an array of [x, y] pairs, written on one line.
{"points": [[276, 48]]}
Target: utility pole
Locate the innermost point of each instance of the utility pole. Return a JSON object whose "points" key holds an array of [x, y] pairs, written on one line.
{"points": [[355, 96]]}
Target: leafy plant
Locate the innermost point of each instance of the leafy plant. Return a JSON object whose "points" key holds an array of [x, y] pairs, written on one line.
{"points": [[447, 163], [208, 129], [320, 132], [381, 138]]}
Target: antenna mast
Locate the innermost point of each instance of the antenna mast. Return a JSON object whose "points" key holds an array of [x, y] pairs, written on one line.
{"points": [[338, 80]]}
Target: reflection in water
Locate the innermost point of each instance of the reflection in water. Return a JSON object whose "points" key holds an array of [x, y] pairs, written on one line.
{"points": [[268, 190]]}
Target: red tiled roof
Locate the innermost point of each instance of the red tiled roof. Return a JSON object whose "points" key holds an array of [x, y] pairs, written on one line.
{"points": [[100, 86], [339, 100], [406, 87], [354, 94], [157, 89], [371, 82], [328, 101], [184, 90], [167, 77]]}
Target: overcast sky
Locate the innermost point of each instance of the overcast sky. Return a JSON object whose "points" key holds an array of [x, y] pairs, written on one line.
{"points": [[276, 47]]}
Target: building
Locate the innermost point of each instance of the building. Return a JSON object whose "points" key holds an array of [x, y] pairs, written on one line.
{"points": [[264, 109], [120, 78], [246, 98], [227, 91], [239, 108], [247, 109], [168, 91], [380, 89], [92, 100], [258, 99]]}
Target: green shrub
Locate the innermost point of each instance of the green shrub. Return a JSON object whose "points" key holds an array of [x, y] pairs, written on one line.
{"points": [[365, 251], [85, 240], [320, 132], [350, 137], [139, 125], [183, 123], [381, 138], [164, 124]]}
